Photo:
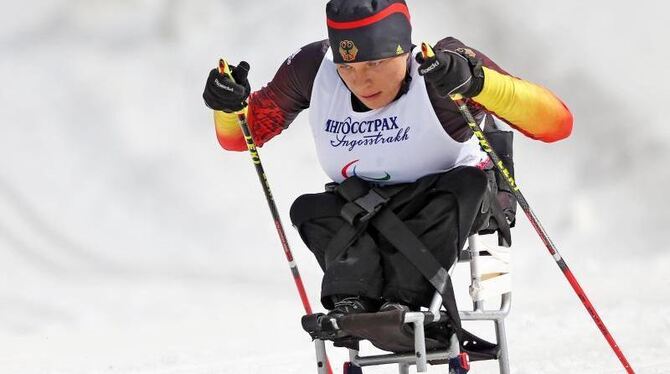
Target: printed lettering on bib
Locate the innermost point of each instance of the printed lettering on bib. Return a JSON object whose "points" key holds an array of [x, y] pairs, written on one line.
{"points": [[350, 134]]}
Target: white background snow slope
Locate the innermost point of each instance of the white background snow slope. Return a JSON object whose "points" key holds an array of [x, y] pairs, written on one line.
{"points": [[130, 243]]}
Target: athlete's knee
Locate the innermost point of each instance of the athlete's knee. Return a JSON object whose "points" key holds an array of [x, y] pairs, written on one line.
{"points": [[466, 179], [475, 179], [311, 206]]}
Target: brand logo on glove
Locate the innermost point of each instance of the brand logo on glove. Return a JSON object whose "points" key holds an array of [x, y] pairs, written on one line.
{"points": [[348, 50], [220, 85], [430, 68]]}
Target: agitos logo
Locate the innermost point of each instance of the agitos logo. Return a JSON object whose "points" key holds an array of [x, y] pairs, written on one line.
{"points": [[349, 170]]}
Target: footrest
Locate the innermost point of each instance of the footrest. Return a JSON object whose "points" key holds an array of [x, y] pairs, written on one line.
{"points": [[389, 332], [385, 330]]}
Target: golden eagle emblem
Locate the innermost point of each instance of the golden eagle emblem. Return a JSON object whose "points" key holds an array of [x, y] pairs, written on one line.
{"points": [[348, 50]]}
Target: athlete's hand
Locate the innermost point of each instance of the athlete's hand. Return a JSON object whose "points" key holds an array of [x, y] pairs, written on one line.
{"points": [[451, 72], [226, 94]]}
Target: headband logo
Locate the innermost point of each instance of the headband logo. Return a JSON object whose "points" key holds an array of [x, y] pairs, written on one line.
{"points": [[399, 50], [348, 50]]}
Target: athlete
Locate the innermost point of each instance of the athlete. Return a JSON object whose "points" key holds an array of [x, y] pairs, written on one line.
{"points": [[384, 124]]}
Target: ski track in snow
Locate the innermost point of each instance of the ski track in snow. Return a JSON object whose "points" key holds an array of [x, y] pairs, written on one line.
{"points": [[129, 243]]}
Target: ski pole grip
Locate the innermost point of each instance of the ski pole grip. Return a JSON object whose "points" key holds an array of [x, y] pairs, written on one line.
{"points": [[224, 69], [427, 50]]}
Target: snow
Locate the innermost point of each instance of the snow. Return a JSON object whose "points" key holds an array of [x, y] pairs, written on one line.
{"points": [[130, 243]]}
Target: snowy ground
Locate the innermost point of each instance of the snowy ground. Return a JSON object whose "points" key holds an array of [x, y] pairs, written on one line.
{"points": [[155, 324], [129, 243]]}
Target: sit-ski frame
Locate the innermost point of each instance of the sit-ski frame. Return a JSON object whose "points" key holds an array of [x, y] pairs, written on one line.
{"points": [[420, 357]]}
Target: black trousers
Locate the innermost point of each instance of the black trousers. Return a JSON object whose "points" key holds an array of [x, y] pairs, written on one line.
{"points": [[441, 217]]}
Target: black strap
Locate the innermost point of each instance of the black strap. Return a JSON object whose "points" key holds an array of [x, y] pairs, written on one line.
{"points": [[406, 242], [363, 204], [365, 207], [344, 238], [374, 210]]}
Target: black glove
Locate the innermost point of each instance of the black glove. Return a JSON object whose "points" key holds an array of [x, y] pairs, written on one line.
{"points": [[228, 95], [452, 73]]}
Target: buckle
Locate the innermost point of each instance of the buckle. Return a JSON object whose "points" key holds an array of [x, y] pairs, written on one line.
{"points": [[331, 187], [365, 207], [372, 203]]}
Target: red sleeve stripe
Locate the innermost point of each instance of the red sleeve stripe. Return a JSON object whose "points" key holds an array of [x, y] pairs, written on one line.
{"points": [[392, 9]]}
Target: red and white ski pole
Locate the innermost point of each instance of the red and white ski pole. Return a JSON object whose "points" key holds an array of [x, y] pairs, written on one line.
{"points": [[427, 52], [255, 157]]}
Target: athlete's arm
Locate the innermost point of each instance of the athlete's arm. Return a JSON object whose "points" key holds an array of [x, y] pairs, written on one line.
{"points": [[272, 108], [531, 109]]}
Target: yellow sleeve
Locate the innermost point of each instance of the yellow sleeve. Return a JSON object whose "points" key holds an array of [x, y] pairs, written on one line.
{"points": [[529, 108], [228, 131]]}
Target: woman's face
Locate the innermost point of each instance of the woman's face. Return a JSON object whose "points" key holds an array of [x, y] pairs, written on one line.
{"points": [[375, 83]]}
